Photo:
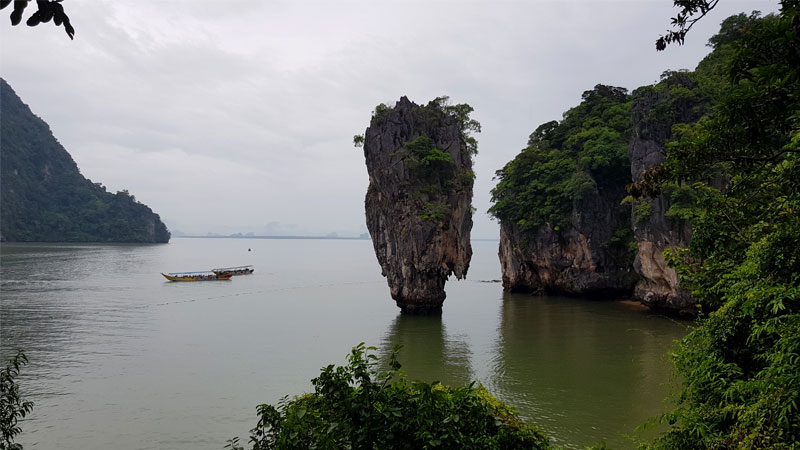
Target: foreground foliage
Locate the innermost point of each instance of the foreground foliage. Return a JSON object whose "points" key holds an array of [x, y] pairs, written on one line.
{"points": [[357, 407], [12, 407], [46, 11], [741, 366]]}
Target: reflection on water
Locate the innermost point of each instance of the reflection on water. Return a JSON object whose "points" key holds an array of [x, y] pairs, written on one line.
{"points": [[121, 358], [585, 371], [428, 352]]}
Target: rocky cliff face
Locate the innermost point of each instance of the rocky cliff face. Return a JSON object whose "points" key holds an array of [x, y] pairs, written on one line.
{"points": [[563, 229], [418, 204], [653, 229], [583, 259]]}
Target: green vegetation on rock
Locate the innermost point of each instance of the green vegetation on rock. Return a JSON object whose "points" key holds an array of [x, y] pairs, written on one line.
{"points": [[423, 154], [732, 172], [45, 197], [740, 367], [432, 172], [357, 406], [567, 161], [418, 203]]}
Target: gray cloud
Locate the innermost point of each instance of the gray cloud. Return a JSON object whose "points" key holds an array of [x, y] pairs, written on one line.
{"points": [[224, 116]]}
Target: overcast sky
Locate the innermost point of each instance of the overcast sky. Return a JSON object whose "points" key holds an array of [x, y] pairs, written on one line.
{"points": [[238, 116]]}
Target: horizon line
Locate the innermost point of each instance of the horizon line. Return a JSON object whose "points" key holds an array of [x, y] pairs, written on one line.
{"points": [[293, 237]]}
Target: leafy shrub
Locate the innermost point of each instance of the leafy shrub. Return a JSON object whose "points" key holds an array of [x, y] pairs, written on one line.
{"points": [[685, 205], [424, 150], [12, 407], [465, 179], [436, 157], [461, 112], [431, 169], [642, 210], [434, 212], [358, 407], [380, 113]]}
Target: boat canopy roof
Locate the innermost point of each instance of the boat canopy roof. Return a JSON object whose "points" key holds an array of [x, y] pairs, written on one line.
{"points": [[232, 268], [199, 272]]}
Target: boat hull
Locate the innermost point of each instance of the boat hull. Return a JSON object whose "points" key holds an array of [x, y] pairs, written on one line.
{"points": [[209, 277]]}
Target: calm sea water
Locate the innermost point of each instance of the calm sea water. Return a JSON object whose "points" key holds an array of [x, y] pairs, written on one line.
{"points": [[123, 359]]}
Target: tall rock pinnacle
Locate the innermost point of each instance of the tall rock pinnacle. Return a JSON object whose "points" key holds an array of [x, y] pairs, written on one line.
{"points": [[419, 200]]}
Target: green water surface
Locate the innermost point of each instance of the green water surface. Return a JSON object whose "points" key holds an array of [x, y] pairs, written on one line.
{"points": [[123, 359]]}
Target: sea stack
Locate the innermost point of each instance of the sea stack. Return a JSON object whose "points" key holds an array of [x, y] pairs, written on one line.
{"points": [[419, 200]]}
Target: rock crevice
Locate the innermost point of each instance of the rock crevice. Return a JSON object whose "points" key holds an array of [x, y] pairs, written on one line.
{"points": [[655, 231]]}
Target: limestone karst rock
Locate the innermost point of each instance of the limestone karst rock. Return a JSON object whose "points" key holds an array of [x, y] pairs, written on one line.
{"points": [[654, 232], [562, 228], [419, 201], [574, 261]]}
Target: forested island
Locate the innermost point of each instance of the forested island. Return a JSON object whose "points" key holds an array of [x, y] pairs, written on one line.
{"points": [[46, 199], [685, 194], [575, 214]]}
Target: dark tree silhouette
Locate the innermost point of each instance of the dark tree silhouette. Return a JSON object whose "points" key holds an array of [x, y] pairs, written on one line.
{"points": [[46, 11], [692, 11]]}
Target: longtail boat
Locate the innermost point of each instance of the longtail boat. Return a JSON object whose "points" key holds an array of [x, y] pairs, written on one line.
{"points": [[196, 276], [238, 270]]}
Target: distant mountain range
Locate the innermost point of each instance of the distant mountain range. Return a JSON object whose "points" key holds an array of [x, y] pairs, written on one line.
{"points": [[44, 197]]}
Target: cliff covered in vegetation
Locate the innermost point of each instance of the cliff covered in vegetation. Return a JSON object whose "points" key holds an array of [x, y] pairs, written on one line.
{"points": [[46, 199], [563, 229], [739, 367], [419, 200], [715, 198], [658, 221], [567, 223]]}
